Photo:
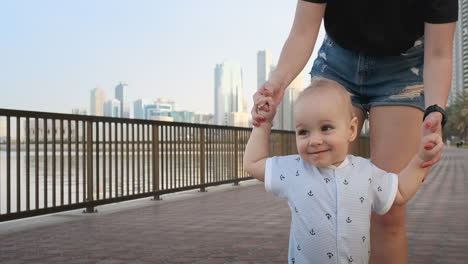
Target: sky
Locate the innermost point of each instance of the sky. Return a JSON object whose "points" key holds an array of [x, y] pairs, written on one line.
{"points": [[53, 52]]}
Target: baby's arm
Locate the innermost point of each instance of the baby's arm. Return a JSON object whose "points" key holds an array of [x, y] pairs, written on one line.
{"points": [[412, 176], [257, 149]]}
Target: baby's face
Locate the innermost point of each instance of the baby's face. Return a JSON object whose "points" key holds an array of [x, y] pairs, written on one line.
{"points": [[324, 129]]}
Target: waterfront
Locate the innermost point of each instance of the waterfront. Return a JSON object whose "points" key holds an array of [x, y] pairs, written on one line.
{"points": [[115, 174]]}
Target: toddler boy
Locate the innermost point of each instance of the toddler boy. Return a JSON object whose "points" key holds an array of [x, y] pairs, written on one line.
{"points": [[331, 194]]}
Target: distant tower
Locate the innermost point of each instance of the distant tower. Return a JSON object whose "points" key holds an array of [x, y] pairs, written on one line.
{"points": [[139, 108], [284, 114], [112, 108], [122, 95], [229, 95], [264, 67], [98, 98], [460, 53]]}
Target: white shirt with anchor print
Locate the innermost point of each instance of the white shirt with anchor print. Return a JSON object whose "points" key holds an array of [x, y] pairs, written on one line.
{"points": [[330, 207]]}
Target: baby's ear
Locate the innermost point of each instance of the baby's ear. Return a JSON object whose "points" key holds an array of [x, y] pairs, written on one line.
{"points": [[353, 126]]}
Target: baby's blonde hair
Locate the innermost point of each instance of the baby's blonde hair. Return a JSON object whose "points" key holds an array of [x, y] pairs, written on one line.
{"points": [[321, 85]]}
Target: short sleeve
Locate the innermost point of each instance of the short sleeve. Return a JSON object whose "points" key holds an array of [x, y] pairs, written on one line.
{"points": [[384, 186], [276, 179], [441, 11], [316, 1]]}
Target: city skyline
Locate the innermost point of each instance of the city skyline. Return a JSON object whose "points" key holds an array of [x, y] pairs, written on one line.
{"points": [[53, 58]]}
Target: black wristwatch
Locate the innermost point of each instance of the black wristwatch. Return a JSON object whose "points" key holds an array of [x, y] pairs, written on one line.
{"points": [[436, 108]]}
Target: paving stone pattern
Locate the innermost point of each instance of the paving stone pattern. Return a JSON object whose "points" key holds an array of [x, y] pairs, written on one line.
{"points": [[240, 225]]}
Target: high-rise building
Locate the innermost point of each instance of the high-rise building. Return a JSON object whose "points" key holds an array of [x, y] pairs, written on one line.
{"points": [[238, 119], [112, 108], [139, 108], [98, 97], [229, 91], [121, 94], [460, 53], [159, 110], [284, 114], [183, 116], [79, 111], [202, 118], [264, 67]]}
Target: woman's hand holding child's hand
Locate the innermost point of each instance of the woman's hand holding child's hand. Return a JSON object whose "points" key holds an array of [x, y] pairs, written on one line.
{"points": [[264, 110], [431, 146]]}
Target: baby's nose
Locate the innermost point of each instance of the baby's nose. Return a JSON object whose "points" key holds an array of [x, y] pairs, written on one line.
{"points": [[315, 140]]}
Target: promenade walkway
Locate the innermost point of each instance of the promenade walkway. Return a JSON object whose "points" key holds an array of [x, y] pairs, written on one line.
{"points": [[228, 224]]}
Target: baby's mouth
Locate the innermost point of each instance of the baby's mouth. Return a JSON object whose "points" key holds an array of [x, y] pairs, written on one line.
{"points": [[319, 151]]}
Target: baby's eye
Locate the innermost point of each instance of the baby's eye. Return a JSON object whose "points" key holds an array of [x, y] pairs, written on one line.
{"points": [[302, 132], [327, 128]]}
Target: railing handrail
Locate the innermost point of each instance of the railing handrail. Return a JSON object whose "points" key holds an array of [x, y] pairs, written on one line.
{"points": [[75, 117]]}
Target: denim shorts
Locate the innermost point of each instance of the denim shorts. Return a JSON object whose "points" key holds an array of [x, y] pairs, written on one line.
{"points": [[374, 80]]}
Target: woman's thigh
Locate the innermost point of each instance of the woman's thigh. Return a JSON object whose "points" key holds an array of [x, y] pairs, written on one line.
{"points": [[395, 136]]}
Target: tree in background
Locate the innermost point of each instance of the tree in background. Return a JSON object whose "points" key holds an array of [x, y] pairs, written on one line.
{"points": [[457, 124]]}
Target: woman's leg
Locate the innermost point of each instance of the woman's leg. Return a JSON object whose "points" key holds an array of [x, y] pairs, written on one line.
{"points": [[395, 135]]}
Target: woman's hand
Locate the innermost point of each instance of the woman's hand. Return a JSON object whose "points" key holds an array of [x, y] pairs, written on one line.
{"points": [[269, 89], [432, 124]]}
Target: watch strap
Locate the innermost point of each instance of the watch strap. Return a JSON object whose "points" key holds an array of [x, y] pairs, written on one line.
{"points": [[436, 108]]}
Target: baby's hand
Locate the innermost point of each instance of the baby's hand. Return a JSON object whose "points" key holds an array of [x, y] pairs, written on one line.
{"points": [[431, 146], [265, 107]]}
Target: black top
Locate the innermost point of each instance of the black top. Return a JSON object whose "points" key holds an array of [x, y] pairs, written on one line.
{"points": [[383, 27]]}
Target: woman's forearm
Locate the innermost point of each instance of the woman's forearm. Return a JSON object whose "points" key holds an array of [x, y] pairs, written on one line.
{"points": [[438, 52], [437, 81], [301, 41]]}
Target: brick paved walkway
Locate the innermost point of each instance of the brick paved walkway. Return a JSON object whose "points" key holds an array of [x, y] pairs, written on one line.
{"points": [[237, 225]]}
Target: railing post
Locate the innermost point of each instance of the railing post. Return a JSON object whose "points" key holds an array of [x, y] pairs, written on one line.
{"points": [[89, 166], [202, 159], [155, 161], [236, 157]]}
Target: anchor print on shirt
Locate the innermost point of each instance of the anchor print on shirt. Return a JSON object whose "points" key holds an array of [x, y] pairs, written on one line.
{"points": [[327, 180], [282, 177], [293, 260], [363, 239], [312, 232], [361, 199], [345, 182], [295, 209], [328, 216], [350, 259], [297, 173], [298, 158], [310, 193], [379, 189], [348, 220], [370, 180], [298, 247], [330, 255]]}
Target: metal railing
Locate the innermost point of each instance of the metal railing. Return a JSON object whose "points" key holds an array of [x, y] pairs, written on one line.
{"points": [[53, 162]]}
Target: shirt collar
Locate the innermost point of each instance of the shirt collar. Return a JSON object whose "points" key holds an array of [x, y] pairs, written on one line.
{"points": [[342, 165], [332, 167]]}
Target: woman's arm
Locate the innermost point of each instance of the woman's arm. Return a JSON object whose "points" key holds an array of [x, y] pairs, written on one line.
{"points": [[300, 43], [438, 53], [296, 51]]}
